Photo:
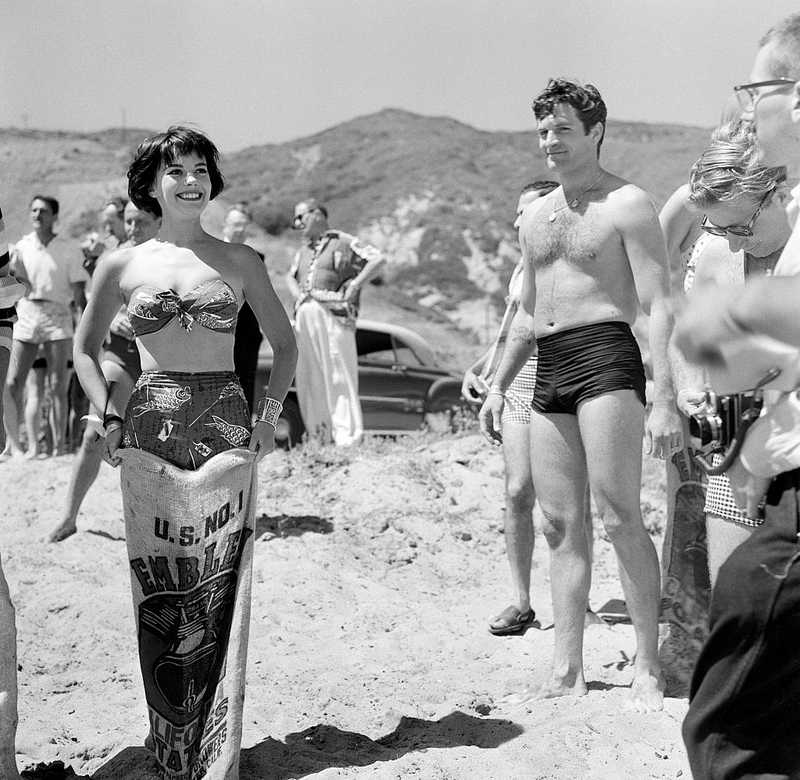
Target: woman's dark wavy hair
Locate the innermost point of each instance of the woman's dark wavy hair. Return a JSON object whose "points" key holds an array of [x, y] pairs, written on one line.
{"points": [[165, 148], [584, 98]]}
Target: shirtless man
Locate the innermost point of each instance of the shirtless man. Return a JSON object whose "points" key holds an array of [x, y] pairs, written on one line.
{"points": [[593, 250]]}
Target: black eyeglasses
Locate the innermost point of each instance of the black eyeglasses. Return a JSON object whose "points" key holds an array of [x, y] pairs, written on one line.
{"points": [[748, 94], [743, 231], [300, 219]]}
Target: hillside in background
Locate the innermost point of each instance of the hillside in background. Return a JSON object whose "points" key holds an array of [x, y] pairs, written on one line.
{"points": [[435, 194]]}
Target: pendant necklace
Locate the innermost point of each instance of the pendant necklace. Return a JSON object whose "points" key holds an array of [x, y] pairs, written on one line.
{"points": [[574, 201]]}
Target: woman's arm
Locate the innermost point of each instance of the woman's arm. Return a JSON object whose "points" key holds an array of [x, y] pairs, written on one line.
{"points": [[680, 228], [103, 305]]}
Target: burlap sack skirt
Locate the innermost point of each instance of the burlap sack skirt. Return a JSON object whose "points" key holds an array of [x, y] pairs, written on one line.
{"points": [[190, 545]]}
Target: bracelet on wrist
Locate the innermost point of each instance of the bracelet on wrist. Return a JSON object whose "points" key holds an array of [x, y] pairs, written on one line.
{"points": [[495, 390], [112, 418], [268, 411]]}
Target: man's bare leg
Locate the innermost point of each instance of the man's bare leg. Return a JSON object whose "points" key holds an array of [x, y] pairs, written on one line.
{"points": [[22, 356], [559, 473], [32, 409], [84, 473], [518, 529], [89, 457], [8, 684], [611, 428], [58, 353]]}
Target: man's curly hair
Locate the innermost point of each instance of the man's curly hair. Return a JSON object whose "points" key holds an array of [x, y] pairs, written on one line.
{"points": [[585, 99]]}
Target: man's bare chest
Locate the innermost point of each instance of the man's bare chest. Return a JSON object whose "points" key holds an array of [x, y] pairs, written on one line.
{"points": [[577, 239]]}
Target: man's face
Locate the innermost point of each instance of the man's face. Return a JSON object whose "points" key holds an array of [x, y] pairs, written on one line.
{"points": [[140, 226], [770, 228], [525, 200], [42, 217], [312, 222], [564, 141], [235, 227], [778, 136], [111, 224]]}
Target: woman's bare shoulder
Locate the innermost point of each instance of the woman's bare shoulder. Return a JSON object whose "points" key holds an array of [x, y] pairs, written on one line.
{"points": [[113, 263], [244, 258]]}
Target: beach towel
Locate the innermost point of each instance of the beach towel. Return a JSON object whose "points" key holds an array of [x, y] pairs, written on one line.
{"points": [[190, 546]]}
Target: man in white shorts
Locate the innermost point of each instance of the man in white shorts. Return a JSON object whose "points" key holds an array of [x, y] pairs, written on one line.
{"points": [[53, 266]]}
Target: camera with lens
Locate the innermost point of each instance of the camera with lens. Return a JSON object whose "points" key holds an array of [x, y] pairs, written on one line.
{"points": [[721, 425]]}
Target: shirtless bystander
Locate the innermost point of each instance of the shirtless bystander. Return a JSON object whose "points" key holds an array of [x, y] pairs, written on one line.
{"points": [[593, 251]]}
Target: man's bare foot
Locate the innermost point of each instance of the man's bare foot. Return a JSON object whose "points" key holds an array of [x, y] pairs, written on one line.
{"points": [[60, 531], [8, 454], [553, 687], [30, 453], [647, 692]]}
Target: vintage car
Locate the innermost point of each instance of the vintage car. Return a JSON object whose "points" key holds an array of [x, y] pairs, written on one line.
{"points": [[399, 385]]}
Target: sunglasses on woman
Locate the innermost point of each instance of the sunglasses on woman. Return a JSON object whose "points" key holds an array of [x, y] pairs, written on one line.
{"points": [[744, 231]]}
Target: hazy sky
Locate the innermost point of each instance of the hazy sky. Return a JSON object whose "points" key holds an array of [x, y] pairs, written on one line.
{"points": [[263, 71]]}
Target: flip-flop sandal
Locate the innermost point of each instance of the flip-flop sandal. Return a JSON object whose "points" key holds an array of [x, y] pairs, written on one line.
{"points": [[513, 622]]}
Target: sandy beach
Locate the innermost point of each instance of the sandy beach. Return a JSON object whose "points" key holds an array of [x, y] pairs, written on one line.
{"points": [[376, 570]]}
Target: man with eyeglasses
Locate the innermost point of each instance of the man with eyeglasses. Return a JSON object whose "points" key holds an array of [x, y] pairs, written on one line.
{"points": [[727, 184], [325, 280], [744, 713]]}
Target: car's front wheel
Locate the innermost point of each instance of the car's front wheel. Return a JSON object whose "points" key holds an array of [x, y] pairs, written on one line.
{"points": [[290, 427]]}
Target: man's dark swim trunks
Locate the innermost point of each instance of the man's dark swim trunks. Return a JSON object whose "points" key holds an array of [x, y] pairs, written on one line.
{"points": [[124, 353], [584, 362]]}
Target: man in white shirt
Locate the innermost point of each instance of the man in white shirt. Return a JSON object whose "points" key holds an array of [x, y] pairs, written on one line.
{"points": [[53, 266]]}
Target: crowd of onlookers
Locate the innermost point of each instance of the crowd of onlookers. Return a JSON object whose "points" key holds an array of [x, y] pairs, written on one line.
{"points": [[567, 394]]}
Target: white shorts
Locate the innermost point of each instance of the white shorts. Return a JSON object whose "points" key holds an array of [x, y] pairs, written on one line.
{"points": [[42, 321]]}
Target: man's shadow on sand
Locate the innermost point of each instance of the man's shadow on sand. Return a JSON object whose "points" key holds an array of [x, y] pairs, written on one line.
{"points": [[322, 747]]}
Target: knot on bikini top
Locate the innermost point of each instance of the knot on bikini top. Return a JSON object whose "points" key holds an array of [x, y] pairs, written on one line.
{"points": [[211, 304]]}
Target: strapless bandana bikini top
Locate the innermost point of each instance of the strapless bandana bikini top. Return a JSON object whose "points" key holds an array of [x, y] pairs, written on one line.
{"points": [[211, 304]]}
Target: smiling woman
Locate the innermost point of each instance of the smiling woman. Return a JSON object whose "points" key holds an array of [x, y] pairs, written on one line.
{"points": [[187, 449]]}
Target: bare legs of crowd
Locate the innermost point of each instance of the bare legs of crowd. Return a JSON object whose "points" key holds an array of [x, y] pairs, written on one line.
{"points": [[24, 393]]}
